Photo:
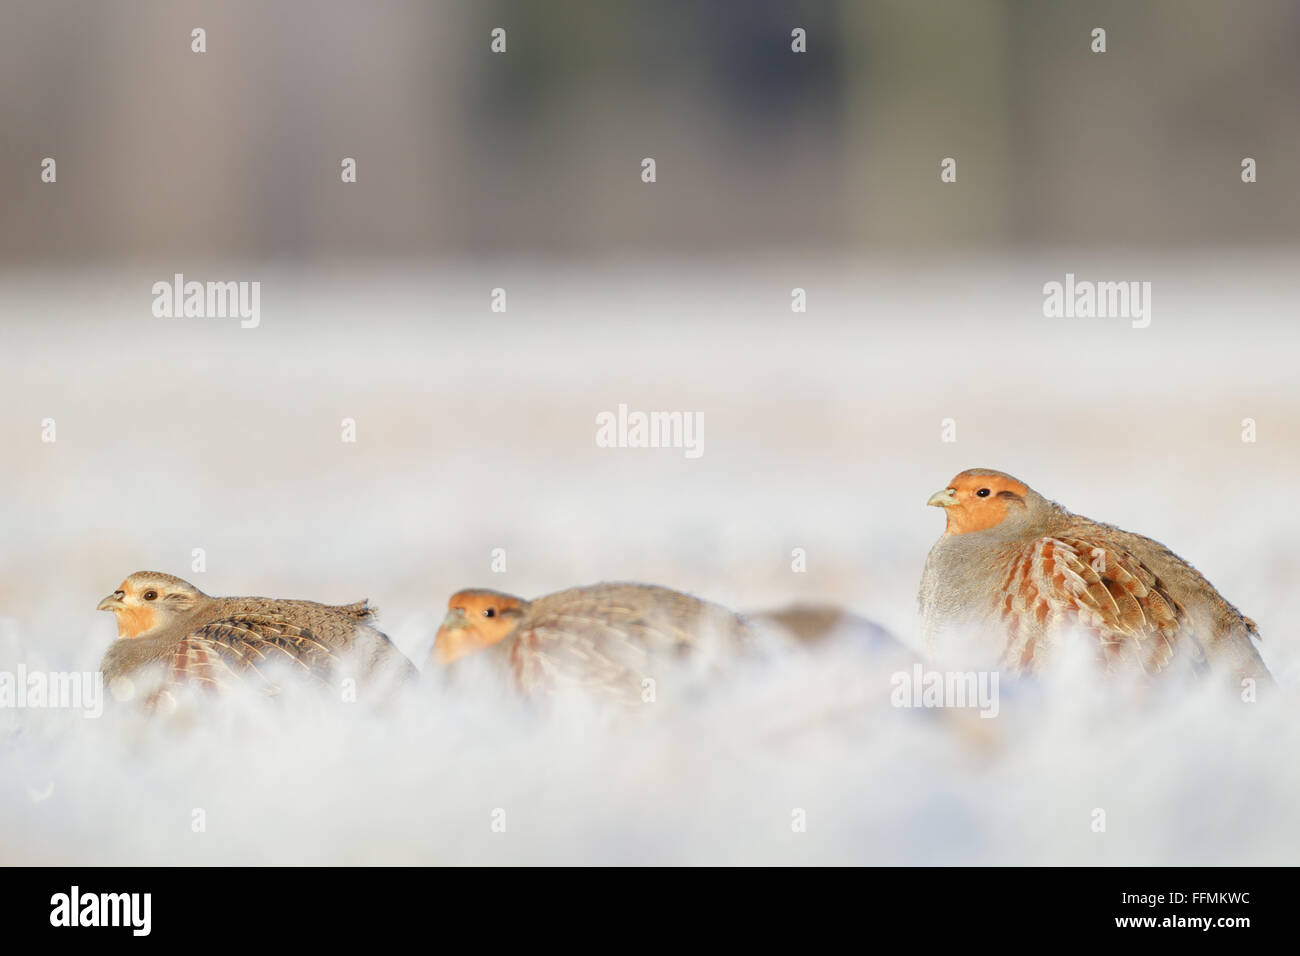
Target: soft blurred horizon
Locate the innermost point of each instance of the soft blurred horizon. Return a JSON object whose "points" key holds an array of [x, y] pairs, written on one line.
{"points": [[235, 152]]}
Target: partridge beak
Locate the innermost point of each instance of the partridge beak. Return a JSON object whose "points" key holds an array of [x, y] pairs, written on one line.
{"points": [[943, 499], [111, 603], [449, 642]]}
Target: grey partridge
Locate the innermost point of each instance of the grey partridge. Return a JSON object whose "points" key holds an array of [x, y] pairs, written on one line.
{"points": [[1014, 573], [169, 628], [606, 639]]}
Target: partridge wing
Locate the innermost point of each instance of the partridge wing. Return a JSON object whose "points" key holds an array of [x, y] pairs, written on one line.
{"points": [[1097, 586], [250, 647], [601, 639]]}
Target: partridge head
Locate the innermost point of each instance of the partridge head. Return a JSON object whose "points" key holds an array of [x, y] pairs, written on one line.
{"points": [[149, 602], [477, 618]]}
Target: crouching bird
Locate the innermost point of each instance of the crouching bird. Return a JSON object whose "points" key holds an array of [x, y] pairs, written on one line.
{"points": [[171, 633], [610, 640], [1014, 573]]}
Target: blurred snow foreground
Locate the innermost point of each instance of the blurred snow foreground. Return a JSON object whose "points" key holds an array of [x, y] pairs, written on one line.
{"points": [[800, 756], [824, 435]]}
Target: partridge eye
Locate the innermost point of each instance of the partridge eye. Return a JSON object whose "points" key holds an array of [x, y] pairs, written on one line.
{"points": [[983, 493], [151, 595], [490, 612]]}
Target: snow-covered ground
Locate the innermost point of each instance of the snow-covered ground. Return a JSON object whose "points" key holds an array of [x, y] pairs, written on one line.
{"points": [[475, 431]]}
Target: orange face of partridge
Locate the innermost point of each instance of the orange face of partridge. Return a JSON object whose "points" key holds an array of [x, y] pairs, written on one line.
{"points": [[148, 601], [135, 608], [476, 619], [977, 500]]}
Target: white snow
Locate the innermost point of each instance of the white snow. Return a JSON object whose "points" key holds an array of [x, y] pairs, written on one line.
{"points": [[476, 431]]}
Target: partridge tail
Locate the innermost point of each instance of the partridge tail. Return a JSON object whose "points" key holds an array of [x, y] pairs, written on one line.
{"points": [[362, 610]]}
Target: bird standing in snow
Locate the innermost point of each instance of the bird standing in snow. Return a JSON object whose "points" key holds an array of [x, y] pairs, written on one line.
{"points": [[605, 639], [1013, 573], [169, 627]]}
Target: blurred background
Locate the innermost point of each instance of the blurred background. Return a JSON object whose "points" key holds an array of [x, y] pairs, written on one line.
{"points": [[521, 171], [463, 152]]}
